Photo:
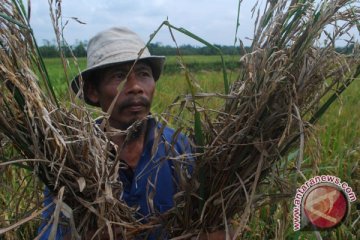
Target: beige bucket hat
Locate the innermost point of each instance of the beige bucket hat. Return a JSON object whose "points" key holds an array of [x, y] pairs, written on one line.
{"points": [[115, 46]]}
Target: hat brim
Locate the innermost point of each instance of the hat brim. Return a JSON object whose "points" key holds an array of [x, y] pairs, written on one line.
{"points": [[156, 64]]}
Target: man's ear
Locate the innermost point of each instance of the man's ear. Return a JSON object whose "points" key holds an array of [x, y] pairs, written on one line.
{"points": [[91, 92]]}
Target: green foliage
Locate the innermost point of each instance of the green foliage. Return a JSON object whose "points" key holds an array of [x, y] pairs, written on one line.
{"points": [[167, 50], [50, 50], [338, 154], [346, 49]]}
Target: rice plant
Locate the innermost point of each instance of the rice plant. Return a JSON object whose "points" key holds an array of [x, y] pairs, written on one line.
{"points": [[288, 80]]}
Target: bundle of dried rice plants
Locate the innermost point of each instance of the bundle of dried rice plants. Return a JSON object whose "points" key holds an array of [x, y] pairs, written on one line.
{"points": [[63, 146], [268, 111], [292, 69]]}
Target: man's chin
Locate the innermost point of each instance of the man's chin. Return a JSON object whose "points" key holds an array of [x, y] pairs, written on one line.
{"points": [[124, 124], [136, 121]]}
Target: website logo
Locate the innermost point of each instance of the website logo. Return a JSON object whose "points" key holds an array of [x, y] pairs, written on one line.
{"points": [[322, 202]]}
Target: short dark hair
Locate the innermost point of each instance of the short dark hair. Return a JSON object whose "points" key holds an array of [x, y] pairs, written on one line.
{"points": [[93, 80]]}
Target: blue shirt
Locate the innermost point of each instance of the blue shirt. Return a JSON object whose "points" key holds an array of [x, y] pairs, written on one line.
{"points": [[157, 169]]}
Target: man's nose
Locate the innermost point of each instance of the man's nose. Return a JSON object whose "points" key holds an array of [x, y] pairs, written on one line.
{"points": [[133, 84]]}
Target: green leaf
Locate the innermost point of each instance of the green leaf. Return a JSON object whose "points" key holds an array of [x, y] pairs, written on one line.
{"points": [[334, 96]]}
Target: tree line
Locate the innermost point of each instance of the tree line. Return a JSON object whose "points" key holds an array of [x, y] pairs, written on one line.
{"points": [[51, 50]]}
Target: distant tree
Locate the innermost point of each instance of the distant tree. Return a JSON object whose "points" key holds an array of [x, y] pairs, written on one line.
{"points": [[48, 49], [79, 49], [348, 49], [159, 49], [51, 50]]}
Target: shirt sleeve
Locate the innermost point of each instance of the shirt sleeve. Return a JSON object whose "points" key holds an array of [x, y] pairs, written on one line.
{"points": [[62, 229], [183, 152]]}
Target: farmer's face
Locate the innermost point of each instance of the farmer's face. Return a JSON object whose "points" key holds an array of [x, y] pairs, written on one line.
{"points": [[136, 94]]}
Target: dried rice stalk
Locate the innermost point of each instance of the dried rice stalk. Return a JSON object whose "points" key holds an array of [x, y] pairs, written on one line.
{"points": [[62, 146], [267, 111]]}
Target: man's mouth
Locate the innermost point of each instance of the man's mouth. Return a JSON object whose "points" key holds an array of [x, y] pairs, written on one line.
{"points": [[136, 107], [134, 104]]}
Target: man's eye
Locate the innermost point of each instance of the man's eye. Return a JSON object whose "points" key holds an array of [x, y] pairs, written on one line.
{"points": [[145, 73], [119, 76]]}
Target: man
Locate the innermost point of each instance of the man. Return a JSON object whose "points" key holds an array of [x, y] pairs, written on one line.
{"points": [[120, 79]]}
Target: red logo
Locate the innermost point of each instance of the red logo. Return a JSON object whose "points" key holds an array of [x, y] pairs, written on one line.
{"points": [[325, 206]]}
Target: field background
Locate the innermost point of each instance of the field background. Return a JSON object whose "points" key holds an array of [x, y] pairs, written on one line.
{"points": [[336, 153]]}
